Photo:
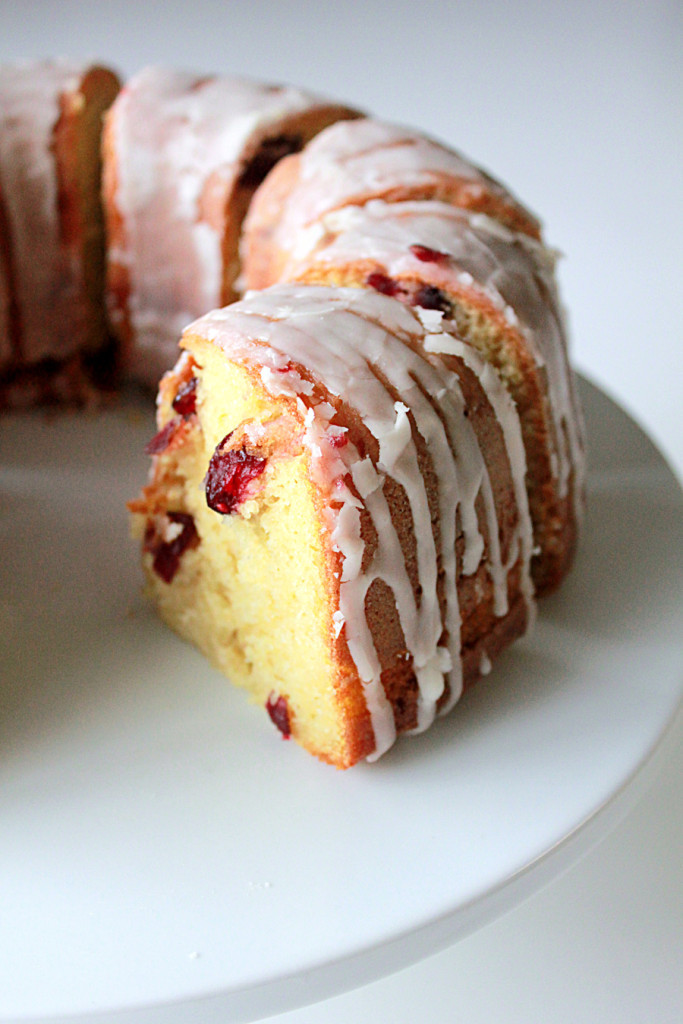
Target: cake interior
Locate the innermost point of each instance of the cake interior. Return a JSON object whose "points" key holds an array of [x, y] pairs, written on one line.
{"points": [[254, 593]]}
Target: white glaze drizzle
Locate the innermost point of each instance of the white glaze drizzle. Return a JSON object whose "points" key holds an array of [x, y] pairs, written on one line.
{"points": [[522, 546], [344, 338], [513, 271]]}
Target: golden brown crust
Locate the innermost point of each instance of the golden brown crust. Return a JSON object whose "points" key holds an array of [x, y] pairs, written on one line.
{"points": [[262, 260], [475, 592]]}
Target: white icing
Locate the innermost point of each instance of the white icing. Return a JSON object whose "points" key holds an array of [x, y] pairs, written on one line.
{"points": [[508, 418], [368, 349]]}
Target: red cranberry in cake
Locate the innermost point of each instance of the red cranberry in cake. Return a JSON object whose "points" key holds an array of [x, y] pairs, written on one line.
{"points": [[167, 538], [427, 255], [382, 283], [162, 438], [278, 709], [185, 402], [230, 472], [269, 153], [430, 297]]}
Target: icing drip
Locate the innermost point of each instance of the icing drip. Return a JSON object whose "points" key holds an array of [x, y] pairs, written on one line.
{"points": [[508, 419], [370, 350]]}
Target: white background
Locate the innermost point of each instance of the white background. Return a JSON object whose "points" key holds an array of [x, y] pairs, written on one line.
{"points": [[578, 108]]}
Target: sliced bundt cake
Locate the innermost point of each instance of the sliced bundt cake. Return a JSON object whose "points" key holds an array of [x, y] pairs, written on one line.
{"points": [[337, 513]]}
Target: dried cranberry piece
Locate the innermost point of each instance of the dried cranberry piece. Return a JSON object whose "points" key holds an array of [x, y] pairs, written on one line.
{"points": [[229, 475], [427, 255], [382, 283], [278, 709], [432, 298], [163, 438], [185, 402], [270, 152], [167, 553]]}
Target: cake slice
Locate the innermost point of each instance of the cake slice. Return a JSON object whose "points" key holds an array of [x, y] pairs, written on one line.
{"points": [[336, 513], [183, 155], [352, 163], [51, 245], [498, 287]]}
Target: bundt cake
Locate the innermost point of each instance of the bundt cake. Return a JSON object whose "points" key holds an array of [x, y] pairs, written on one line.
{"points": [[337, 514], [182, 157], [366, 468], [51, 227]]}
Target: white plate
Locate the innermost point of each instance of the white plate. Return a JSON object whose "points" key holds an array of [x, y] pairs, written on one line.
{"points": [[165, 856]]}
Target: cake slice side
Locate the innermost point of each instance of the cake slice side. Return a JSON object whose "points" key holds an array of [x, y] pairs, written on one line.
{"points": [[256, 588]]}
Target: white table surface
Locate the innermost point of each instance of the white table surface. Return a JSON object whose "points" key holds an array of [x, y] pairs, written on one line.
{"points": [[578, 108]]}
